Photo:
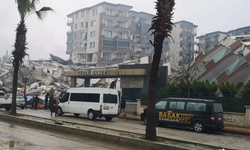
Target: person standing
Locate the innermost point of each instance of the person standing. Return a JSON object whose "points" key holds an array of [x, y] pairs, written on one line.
{"points": [[123, 106], [54, 107], [46, 101], [36, 101], [51, 94]]}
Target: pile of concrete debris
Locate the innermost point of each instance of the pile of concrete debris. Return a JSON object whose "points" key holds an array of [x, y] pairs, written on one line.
{"points": [[39, 76]]}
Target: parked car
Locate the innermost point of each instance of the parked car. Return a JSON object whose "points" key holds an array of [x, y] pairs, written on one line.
{"points": [[93, 102], [199, 114], [40, 105], [20, 101], [4, 101]]}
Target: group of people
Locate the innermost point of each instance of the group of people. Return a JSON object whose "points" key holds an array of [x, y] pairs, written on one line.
{"points": [[49, 97]]}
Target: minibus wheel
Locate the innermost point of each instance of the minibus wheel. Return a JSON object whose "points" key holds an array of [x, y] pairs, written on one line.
{"points": [[108, 118], [76, 115], [198, 127], [91, 115], [7, 108], [59, 111]]}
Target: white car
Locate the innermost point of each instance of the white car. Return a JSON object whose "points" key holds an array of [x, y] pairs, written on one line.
{"points": [[20, 101], [93, 102], [4, 101]]}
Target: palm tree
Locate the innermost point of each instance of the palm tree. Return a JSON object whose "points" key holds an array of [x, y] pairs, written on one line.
{"points": [[161, 28], [25, 8]]}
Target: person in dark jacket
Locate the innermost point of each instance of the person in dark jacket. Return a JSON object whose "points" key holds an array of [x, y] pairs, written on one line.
{"points": [[54, 106], [36, 101], [123, 105], [46, 101]]}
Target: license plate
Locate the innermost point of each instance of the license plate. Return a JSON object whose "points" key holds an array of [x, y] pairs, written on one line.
{"points": [[105, 107], [219, 118]]}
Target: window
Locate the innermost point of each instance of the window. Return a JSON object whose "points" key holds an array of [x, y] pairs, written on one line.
{"points": [[196, 106], [177, 105], [82, 24], [76, 15], [109, 11], [76, 26], [92, 34], [134, 18], [133, 49], [65, 98], [79, 97], [82, 14], [108, 34], [218, 107], [143, 50], [108, 98], [93, 23], [120, 35], [120, 24], [107, 56], [92, 45], [94, 12], [143, 20], [2, 94], [120, 13], [108, 23], [161, 105], [86, 26], [180, 54]]}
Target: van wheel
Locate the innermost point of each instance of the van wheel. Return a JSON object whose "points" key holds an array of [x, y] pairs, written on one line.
{"points": [[59, 111], [22, 107], [108, 118], [76, 115], [7, 108], [198, 127], [91, 115]]}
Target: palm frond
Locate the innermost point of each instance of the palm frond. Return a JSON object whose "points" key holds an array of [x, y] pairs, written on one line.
{"points": [[162, 24], [41, 14], [22, 7]]}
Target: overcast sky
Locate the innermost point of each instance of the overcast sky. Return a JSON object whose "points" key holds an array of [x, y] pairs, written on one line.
{"points": [[49, 36]]}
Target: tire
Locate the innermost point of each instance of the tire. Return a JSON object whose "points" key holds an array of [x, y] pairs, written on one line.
{"points": [[22, 107], [198, 127], [59, 111], [76, 115], [91, 115], [7, 108], [108, 118]]}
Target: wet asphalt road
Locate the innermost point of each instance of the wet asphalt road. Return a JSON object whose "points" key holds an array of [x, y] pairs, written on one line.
{"points": [[14, 137]]}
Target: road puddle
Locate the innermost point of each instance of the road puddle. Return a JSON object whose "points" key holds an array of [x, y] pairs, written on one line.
{"points": [[13, 144]]}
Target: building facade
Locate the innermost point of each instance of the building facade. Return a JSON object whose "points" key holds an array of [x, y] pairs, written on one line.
{"points": [[106, 34], [210, 40], [240, 31], [183, 35]]}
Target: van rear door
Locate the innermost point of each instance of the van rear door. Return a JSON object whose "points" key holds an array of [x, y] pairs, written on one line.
{"points": [[110, 104], [218, 114]]}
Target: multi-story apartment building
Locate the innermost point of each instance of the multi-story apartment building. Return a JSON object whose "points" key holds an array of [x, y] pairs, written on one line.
{"points": [[240, 31], [210, 40], [108, 33], [183, 34]]}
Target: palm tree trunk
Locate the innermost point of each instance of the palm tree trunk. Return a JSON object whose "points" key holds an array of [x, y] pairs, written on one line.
{"points": [[14, 88], [18, 55], [151, 114]]}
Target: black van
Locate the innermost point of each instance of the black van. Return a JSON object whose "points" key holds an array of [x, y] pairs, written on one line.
{"points": [[199, 114]]}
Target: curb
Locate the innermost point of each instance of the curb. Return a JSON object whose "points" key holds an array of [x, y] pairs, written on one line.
{"points": [[124, 141]]}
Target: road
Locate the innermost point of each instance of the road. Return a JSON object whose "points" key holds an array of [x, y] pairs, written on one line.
{"points": [[20, 138]]}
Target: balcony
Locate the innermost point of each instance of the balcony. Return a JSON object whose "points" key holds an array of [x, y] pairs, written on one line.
{"points": [[70, 22]]}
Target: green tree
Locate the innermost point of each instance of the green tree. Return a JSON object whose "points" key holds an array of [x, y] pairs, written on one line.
{"points": [[228, 90], [246, 91], [25, 8], [161, 28]]}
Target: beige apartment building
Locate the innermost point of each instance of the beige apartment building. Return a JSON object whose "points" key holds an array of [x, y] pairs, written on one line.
{"points": [[106, 34]]}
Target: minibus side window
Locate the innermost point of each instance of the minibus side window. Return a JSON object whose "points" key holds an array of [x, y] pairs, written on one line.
{"points": [[177, 105], [65, 98], [108, 98], [161, 105], [196, 106]]}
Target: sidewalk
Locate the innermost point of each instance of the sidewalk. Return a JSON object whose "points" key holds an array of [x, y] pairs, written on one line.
{"points": [[227, 129]]}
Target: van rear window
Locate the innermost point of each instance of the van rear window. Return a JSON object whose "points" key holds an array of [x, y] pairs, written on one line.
{"points": [[218, 107], [196, 106], [108, 98]]}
